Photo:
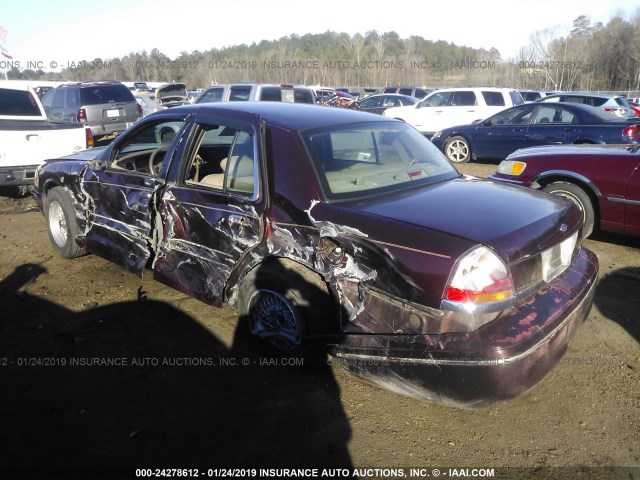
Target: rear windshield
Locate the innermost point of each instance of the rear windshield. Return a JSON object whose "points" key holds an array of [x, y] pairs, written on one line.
{"points": [[358, 160], [100, 94], [18, 103]]}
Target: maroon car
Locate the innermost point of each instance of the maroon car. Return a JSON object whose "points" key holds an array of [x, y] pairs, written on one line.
{"points": [[336, 227], [604, 181]]}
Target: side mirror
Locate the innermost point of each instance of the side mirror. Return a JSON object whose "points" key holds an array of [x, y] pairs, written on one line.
{"points": [[100, 165]]}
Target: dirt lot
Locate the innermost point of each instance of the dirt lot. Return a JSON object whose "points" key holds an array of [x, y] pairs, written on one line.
{"points": [[181, 391]]}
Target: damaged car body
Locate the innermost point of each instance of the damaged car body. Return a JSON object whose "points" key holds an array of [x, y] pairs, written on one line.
{"points": [[338, 227]]}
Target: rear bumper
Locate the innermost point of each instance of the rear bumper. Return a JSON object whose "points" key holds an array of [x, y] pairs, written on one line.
{"points": [[497, 362], [23, 175]]}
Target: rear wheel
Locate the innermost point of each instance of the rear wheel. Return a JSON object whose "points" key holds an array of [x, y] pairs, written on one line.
{"points": [[457, 149], [62, 225], [282, 304], [578, 196]]}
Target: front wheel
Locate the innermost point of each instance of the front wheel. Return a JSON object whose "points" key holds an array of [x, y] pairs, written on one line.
{"points": [[282, 304], [579, 197], [457, 150], [62, 225]]}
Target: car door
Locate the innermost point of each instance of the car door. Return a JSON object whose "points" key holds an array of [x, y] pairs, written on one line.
{"points": [[426, 114], [552, 125], [121, 193], [503, 133], [632, 204], [212, 213], [462, 109]]}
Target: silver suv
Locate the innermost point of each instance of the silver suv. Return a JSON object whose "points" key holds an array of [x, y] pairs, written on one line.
{"points": [[108, 108], [257, 92], [449, 107]]}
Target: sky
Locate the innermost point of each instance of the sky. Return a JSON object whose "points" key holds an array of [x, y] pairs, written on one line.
{"points": [[56, 32]]}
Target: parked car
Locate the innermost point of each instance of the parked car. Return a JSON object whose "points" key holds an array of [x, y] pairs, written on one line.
{"points": [[172, 95], [611, 103], [447, 107], [333, 225], [147, 104], [28, 137], [380, 102], [635, 106], [416, 92], [257, 92], [604, 181], [530, 125], [108, 108]]}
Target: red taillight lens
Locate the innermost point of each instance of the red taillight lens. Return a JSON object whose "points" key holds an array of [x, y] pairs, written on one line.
{"points": [[140, 112], [82, 115], [481, 277], [632, 133], [89, 135]]}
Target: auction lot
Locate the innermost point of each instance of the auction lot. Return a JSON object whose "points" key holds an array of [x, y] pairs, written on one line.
{"points": [[101, 369]]}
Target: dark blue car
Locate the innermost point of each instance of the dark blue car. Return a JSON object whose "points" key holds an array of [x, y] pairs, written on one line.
{"points": [[534, 124]]}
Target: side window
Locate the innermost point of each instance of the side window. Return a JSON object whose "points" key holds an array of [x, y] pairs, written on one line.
{"points": [[223, 160], [436, 100], [516, 116], [144, 151], [239, 175], [373, 102], [493, 99], [548, 115], [240, 94], [212, 95], [73, 98], [463, 99]]}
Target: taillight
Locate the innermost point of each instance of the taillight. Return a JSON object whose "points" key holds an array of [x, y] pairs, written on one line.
{"points": [[621, 112], [481, 277], [89, 136], [82, 115], [140, 112], [632, 133]]}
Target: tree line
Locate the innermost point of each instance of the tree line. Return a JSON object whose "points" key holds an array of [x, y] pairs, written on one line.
{"points": [[588, 57]]}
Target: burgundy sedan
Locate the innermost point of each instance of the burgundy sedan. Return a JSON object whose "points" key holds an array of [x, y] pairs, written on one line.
{"points": [[339, 228], [604, 181]]}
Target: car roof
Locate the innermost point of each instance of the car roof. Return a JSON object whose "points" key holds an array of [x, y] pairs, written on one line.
{"points": [[293, 116], [584, 94]]}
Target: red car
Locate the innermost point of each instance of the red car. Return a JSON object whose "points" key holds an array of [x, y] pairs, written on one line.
{"points": [[603, 180], [341, 227]]}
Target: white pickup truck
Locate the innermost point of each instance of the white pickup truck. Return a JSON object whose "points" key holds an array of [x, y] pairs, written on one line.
{"points": [[27, 138]]}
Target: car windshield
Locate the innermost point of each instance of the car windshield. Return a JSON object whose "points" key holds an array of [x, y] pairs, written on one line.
{"points": [[358, 160]]}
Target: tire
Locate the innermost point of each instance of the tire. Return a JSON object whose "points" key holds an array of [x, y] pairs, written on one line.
{"points": [[62, 225], [457, 150], [281, 304], [578, 196]]}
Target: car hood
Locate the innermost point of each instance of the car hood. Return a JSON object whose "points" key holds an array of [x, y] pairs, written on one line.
{"points": [[172, 94], [514, 221]]}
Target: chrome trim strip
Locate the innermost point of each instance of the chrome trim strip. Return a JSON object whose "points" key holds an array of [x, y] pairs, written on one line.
{"points": [[489, 362]]}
